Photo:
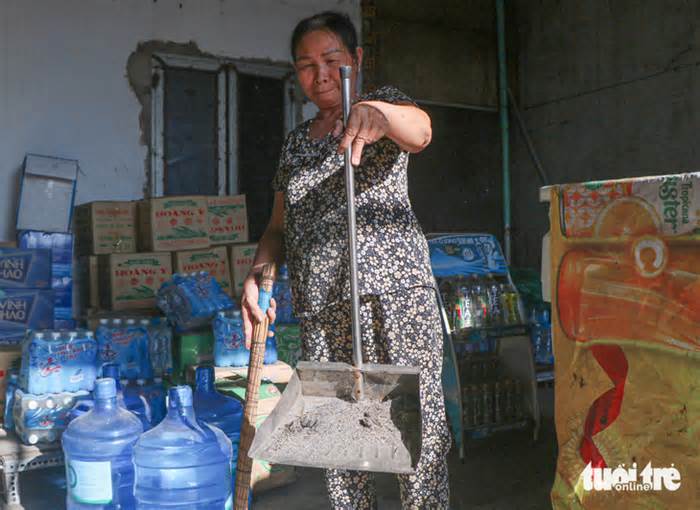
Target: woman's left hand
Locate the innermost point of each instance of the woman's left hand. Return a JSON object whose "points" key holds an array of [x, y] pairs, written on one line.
{"points": [[366, 125]]}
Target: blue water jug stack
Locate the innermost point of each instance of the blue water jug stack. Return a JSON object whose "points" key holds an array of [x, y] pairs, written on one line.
{"points": [[183, 463], [98, 454]]}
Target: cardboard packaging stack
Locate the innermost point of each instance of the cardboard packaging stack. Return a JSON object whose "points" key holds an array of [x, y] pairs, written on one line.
{"points": [[61, 246], [26, 298], [128, 249]]}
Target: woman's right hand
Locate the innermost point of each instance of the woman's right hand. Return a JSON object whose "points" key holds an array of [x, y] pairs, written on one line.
{"points": [[250, 311]]}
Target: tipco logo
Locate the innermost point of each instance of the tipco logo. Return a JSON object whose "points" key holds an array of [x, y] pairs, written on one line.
{"points": [[622, 479]]}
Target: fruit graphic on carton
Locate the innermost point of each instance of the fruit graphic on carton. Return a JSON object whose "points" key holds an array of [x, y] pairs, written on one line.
{"points": [[627, 335]]}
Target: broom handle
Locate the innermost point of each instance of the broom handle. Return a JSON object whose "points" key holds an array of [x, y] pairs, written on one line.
{"points": [[345, 73], [255, 365]]}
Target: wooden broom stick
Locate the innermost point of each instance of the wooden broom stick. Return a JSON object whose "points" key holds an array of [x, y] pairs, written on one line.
{"points": [[255, 365]]}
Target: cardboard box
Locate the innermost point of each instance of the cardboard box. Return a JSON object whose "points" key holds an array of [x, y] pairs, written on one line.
{"points": [[241, 260], [10, 357], [88, 282], [227, 219], [47, 194], [173, 223], [277, 373], [214, 261], [22, 309], [131, 280], [25, 269], [268, 396], [105, 227], [61, 246]]}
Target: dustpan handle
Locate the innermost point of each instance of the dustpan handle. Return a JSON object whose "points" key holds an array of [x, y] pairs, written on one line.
{"points": [[345, 72]]}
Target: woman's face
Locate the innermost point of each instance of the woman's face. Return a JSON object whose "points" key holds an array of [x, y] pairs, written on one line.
{"points": [[318, 57]]}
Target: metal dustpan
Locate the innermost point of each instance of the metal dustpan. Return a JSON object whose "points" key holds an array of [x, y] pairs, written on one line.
{"points": [[339, 416]]}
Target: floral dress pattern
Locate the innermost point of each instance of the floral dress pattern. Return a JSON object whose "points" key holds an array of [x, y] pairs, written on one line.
{"points": [[392, 251], [399, 317]]}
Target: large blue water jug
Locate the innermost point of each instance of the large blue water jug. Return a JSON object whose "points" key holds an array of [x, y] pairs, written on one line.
{"points": [[229, 340], [98, 452], [131, 401], [183, 463], [217, 409], [135, 403]]}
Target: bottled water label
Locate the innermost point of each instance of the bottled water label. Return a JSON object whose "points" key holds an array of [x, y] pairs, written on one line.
{"points": [[90, 482]]}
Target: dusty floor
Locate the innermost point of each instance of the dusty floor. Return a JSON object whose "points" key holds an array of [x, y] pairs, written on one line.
{"points": [[505, 472]]}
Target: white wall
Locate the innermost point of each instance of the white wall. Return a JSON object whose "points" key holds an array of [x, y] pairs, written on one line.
{"points": [[63, 85]]}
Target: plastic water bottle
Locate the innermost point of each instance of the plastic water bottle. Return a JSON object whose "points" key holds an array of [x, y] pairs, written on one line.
{"points": [[98, 452], [156, 400], [282, 292], [546, 326], [160, 347], [494, 298], [183, 463], [8, 423], [219, 410], [536, 336], [229, 340], [270, 347], [125, 343]]}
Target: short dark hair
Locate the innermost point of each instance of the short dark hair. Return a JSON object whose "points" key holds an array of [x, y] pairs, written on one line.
{"points": [[331, 21]]}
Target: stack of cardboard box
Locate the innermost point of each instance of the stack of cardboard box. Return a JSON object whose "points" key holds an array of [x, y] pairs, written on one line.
{"points": [[128, 249], [61, 246], [26, 298]]}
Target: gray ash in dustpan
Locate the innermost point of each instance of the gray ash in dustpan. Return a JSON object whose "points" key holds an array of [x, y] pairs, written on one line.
{"points": [[336, 427]]}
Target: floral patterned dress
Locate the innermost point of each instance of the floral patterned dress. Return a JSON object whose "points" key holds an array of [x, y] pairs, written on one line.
{"points": [[398, 311]]}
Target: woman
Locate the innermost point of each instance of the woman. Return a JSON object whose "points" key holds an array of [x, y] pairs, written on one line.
{"points": [[398, 310]]}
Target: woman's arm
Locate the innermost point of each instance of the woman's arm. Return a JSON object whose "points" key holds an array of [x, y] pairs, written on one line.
{"points": [[407, 125], [270, 249]]}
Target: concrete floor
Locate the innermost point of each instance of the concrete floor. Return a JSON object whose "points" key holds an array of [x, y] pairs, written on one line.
{"points": [[505, 472]]}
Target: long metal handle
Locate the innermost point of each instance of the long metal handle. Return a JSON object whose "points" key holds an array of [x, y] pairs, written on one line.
{"points": [[345, 72]]}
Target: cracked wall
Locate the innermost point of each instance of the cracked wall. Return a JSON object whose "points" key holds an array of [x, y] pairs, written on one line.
{"points": [[69, 88]]}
